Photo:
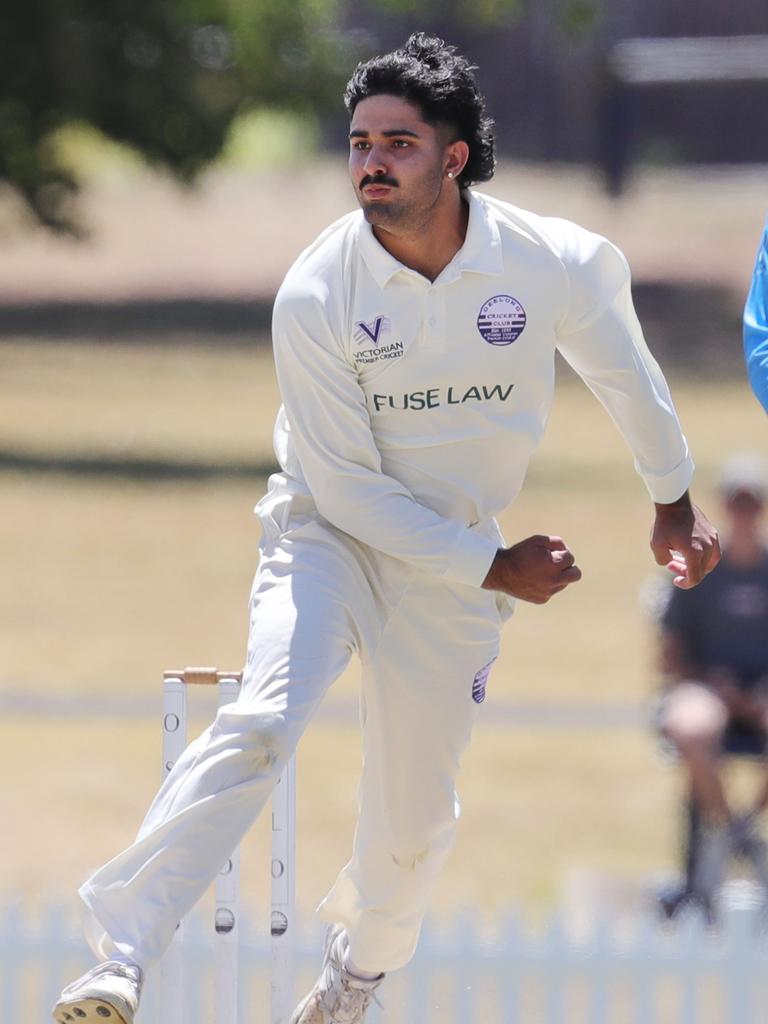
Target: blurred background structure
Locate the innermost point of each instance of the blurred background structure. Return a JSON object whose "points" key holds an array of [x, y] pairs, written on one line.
{"points": [[161, 165], [172, 78]]}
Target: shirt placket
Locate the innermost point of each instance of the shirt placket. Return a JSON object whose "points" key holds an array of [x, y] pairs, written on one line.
{"points": [[434, 320]]}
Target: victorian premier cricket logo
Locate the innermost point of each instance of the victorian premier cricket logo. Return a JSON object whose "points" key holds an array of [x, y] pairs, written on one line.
{"points": [[372, 340], [369, 333]]}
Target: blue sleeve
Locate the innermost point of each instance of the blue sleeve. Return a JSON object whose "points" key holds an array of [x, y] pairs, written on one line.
{"points": [[756, 325]]}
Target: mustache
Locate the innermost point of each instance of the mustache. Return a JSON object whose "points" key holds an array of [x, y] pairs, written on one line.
{"points": [[377, 179]]}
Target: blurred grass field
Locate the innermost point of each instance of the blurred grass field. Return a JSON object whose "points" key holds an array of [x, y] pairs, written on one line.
{"points": [[108, 581], [237, 232]]}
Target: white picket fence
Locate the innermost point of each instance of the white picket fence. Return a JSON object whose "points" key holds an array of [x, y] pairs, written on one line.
{"points": [[644, 974]]}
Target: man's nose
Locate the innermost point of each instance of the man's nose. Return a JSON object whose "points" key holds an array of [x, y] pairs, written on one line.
{"points": [[374, 161]]}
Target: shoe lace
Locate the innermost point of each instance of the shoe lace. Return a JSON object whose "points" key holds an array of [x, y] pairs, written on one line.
{"points": [[353, 1002]]}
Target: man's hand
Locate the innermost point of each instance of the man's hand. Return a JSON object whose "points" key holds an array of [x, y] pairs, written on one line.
{"points": [[685, 541], [533, 570]]}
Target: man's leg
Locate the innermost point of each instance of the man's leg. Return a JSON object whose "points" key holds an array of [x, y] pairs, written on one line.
{"points": [[421, 694], [308, 603], [694, 718], [761, 800]]}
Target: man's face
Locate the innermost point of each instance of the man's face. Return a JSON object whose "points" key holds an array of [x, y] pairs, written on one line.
{"points": [[396, 162], [745, 511]]}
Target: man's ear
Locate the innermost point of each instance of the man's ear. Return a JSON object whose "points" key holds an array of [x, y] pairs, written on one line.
{"points": [[456, 156]]}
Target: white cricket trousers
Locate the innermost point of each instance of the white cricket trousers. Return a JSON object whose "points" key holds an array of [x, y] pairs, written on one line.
{"points": [[424, 644]]}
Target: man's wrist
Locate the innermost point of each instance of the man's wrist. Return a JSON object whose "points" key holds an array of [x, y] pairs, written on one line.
{"points": [[489, 583], [682, 503]]}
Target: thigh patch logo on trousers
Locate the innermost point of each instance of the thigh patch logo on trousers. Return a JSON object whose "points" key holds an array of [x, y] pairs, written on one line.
{"points": [[480, 681]]}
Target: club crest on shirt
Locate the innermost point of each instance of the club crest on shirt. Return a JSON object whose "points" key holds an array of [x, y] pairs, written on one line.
{"points": [[480, 682], [501, 320], [371, 332]]}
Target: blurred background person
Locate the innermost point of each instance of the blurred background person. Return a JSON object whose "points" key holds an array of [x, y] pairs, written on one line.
{"points": [[714, 651], [756, 324]]}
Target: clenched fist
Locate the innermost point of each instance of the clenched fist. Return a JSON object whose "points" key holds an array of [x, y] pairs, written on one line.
{"points": [[533, 570], [685, 541]]}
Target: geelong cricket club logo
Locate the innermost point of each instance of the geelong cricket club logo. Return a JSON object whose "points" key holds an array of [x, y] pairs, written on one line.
{"points": [[371, 333], [501, 320], [480, 682]]}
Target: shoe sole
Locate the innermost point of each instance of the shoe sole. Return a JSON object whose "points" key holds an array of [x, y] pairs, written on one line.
{"points": [[88, 1011]]}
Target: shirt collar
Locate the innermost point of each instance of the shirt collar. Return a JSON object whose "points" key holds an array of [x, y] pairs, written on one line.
{"points": [[382, 265], [480, 253]]}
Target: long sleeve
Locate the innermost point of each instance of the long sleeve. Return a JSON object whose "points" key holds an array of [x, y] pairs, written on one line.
{"points": [[331, 433], [756, 325], [601, 338]]}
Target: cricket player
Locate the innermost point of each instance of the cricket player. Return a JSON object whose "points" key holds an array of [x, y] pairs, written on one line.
{"points": [[415, 344], [756, 325]]}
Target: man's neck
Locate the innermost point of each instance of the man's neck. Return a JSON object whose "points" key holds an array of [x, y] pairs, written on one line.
{"points": [[429, 248], [744, 552]]}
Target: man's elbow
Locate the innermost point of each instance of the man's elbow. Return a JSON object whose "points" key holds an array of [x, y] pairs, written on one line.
{"points": [[333, 504]]}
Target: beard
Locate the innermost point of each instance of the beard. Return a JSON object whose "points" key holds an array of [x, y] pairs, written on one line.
{"points": [[403, 211], [390, 213]]}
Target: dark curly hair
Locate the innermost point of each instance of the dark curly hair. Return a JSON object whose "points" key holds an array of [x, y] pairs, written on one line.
{"points": [[431, 75]]}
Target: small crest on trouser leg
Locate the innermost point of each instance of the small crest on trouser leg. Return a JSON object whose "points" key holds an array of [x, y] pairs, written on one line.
{"points": [[480, 681]]}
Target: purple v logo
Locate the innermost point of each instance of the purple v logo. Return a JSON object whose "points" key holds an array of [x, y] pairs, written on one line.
{"points": [[373, 333], [367, 333]]}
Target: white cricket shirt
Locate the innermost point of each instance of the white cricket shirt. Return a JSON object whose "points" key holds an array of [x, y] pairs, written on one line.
{"points": [[411, 407]]}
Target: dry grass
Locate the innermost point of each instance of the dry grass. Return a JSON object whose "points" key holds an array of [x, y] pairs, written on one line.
{"points": [[535, 808], [190, 403], [106, 582], [111, 579], [237, 233]]}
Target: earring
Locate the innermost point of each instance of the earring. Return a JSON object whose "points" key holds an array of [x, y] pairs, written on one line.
{"points": [[450, 174]]}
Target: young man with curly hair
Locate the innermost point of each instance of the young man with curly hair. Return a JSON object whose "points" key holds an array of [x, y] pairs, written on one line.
{"points": [[414, 343]]}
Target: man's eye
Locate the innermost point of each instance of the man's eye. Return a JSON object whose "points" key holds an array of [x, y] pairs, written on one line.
{"points": [[401, 144], [360, 145]]}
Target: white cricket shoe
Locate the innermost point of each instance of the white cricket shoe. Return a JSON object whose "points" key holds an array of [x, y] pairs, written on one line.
{"points": [[338, 996], [107, 994]]}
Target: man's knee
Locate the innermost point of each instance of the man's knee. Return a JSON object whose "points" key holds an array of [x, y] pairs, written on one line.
{"points": [[412, 849], [264, 739], [693, 718]]}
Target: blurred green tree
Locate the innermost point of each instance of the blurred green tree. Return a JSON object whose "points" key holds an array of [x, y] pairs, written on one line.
{"points": [[168, 77], [575, 17]]}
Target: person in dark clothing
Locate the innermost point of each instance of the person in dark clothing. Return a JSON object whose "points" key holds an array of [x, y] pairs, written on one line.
{"points": [[714, 650]]}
